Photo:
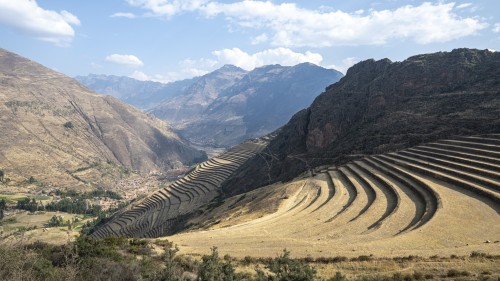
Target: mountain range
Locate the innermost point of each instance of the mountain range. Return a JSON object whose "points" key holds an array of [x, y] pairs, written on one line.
{"points": [[141, 94], [228, 105], [52, 126]]}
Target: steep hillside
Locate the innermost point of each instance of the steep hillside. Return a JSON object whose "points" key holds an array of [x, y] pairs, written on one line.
{"points": [[382, 106], [141, 94], [52, 127], [164, 211]]}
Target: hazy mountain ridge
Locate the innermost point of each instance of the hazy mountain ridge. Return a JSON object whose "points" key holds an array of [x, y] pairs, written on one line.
{"points": [[52, 125], [382, 106], [226, 106], [190, 104], [141, 94], [250, 104]]}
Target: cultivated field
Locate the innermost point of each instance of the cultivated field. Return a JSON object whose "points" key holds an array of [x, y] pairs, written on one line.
{"points": [[30, 227], [158, 214], [441, 198]]}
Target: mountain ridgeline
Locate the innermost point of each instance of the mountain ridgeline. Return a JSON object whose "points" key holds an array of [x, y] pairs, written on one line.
{"points": [[382, 106], [228, 105], [51, 126]]}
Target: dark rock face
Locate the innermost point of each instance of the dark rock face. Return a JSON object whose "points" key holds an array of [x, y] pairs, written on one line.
{"points": [[380, 106]]}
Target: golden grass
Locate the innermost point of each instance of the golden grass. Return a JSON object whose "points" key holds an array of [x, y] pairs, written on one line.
{"points": [[461, 226]]}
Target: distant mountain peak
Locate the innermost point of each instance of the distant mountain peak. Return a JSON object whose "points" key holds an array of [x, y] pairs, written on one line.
{"points": [[230, 67]]}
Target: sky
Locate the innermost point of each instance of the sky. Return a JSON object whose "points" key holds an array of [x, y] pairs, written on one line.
{"points": [[169, 40]]}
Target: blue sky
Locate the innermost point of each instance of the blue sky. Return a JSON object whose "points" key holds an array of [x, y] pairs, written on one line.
{"points": [[167, 40]]}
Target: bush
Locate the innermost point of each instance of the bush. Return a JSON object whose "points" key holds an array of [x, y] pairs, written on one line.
{"points": [[248, 260], [338, 277], [477, 254], [457, 273], [362, 258], [212, 268], [284, 268], [68, 125]]}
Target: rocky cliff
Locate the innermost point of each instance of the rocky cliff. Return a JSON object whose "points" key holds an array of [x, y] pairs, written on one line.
{"points": [[381, 106]]}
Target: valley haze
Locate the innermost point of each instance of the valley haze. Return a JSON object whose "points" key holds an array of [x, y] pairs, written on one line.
{"points": [[227, 106]]}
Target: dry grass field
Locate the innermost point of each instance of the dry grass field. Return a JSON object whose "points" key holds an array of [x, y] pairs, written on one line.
{"points": [[437, 199]]}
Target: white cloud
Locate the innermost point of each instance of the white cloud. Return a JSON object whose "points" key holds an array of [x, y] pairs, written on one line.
{"points": [[283, 56], [294, 26], [124, 59], [259, 39], [95, 65], [345, 64], [464, 5], [27, 17], [123, 15], [192, 68], [168, 7], [139, 75], [187, 68], [496, 28]]}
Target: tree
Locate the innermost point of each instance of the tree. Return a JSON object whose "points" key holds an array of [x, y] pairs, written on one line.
{"points": [[3, 207], [55, 221], [172, 269], [27, 204], [2, 175]]}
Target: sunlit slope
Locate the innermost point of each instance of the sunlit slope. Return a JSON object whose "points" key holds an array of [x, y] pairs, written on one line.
{"points": [[62, 135], [158, 214], [437, 198]]}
